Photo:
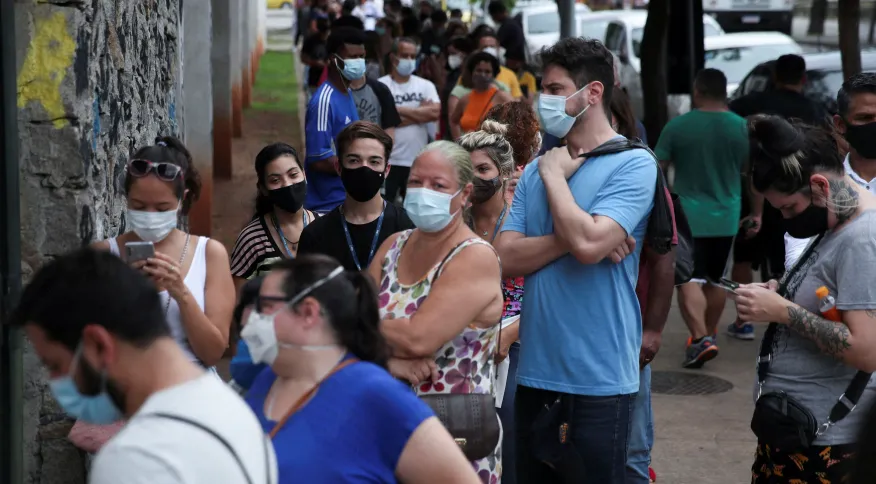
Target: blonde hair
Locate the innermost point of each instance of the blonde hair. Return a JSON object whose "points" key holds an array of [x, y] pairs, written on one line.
{"points": [[458, 157], [491, 139]]}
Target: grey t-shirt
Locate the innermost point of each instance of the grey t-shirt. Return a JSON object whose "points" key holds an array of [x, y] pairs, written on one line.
{"points": [[845, 262], [367, 104]]}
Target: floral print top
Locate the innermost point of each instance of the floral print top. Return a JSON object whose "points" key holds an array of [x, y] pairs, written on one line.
{"points": [[512, 292]]}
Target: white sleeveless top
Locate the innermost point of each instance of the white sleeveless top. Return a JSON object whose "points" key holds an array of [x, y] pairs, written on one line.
{"points": [[196, 281]]}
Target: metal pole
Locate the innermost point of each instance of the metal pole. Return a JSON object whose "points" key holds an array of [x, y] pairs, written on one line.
{"points": [[11, 371], [567, 18]]}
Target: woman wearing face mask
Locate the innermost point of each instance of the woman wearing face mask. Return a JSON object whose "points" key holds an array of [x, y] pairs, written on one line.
{"points": [[524, 134], [243, 370], [455, 50], [810, 357], [279, 218], [332, 411], [480, 72], [440, 293]]}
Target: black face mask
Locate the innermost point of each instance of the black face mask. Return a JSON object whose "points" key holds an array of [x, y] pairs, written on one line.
{"points": [[862, 137], [289, 198], [362, 183], [484, 189], [808, 223]]}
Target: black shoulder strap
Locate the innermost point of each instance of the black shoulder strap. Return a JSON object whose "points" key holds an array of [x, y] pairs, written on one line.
{"points": [[849, 399], [221, 440]]}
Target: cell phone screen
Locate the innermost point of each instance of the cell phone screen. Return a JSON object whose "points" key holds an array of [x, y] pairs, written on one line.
{"points": [[728, 285]]}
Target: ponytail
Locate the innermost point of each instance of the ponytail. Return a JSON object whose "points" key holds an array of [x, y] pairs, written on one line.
{"points": [[364, 338]]}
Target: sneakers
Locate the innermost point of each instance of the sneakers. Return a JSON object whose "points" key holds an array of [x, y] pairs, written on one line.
{"points": [[743, 331], [651, 475], [699, 353]]}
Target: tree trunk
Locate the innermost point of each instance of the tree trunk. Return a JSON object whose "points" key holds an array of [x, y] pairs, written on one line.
{"points": [[817, 15], [849, 21], [654, 84]]}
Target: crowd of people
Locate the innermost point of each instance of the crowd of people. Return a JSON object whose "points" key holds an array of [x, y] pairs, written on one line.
{"points": [[464, 279]]}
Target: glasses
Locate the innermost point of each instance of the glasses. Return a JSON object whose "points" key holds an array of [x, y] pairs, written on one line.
{"points": [[262, 302], [164, 171]]}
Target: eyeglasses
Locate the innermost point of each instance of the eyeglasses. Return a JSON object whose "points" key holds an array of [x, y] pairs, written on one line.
{"points": [[164, 171], [262, 302]]}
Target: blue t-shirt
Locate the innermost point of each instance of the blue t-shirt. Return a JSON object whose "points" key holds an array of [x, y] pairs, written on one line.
{"points": [[582, 327], [550, 141], [242, 368], [328, 113], [353, 430]]}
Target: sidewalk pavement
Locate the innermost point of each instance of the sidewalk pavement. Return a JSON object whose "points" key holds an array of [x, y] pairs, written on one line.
{"points": [[830, 39], [705, 439]]}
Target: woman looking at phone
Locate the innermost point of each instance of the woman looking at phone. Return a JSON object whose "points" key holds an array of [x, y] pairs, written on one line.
{"points": [[279, 217], [191, 272]]}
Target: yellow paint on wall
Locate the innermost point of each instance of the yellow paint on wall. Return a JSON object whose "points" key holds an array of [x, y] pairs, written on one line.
{"points": [[49, 56]]}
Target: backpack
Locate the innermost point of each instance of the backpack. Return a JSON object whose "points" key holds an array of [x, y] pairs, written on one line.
{"points": [[659, 232]]}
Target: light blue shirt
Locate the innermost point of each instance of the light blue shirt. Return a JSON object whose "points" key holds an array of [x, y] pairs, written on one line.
{"points": [[582, 328]]}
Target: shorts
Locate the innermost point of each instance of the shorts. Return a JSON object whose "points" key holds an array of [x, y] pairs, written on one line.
{"points": [[710, 257], [766, 250]]}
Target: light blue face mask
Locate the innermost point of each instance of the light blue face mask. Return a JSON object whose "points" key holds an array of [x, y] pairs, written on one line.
{"points": [[552, 113], [429, 209], [406, 67], [353, 69], [96, 409]]}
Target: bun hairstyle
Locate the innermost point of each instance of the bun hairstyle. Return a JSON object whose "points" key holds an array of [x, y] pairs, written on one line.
{"points": [[349, 303], [269, 153], [168, 149], [521, 129], [784, 155], [491, 139]]}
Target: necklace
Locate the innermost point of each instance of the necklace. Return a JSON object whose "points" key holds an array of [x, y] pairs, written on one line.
{"points": [[496, 228], [182, 259], [283, 238]]}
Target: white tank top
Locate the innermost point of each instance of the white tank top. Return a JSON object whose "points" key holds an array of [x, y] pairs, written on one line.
{"points": [[196, 281]]}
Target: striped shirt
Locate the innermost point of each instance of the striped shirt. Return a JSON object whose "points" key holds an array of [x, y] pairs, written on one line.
{"points": [[255, 251]]}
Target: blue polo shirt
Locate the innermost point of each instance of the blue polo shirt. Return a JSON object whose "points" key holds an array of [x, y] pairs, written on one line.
{"points": [[329, 111], [582, 328]]}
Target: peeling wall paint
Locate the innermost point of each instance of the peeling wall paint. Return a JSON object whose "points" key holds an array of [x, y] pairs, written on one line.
{"points": [[49, 56]]}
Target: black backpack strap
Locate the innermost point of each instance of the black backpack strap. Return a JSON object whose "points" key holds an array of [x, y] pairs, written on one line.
{"points": [[221, 440]]}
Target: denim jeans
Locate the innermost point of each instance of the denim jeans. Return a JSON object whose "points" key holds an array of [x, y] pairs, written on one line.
{"points": [[599, 433], [641, 432], [506, 414]]}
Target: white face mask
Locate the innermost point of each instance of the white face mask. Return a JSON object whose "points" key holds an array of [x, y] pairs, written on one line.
{"points": [[260, 333], [152, 226], [429, 209], [454, 61]]}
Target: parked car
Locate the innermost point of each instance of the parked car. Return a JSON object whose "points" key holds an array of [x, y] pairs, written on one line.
{"points": [[824, 77], [752, 15]]}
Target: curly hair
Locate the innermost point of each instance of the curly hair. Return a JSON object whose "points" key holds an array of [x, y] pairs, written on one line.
{"points": [[523, 130]]}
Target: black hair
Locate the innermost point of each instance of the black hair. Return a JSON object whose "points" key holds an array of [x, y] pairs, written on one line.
{"points": [[342, 36], [456, 13], [168, 149], [790, 69], [349, 301], [783, 155], [438, 17], [462, 44], [623, 111], [91, 286], [711, 84], [410, 26], [349, 21], [473, 60], [586, 60], [862, 83], [481, 30], [322, 24], [348, 6], [496, 7], [263, 204], [249, 292]]}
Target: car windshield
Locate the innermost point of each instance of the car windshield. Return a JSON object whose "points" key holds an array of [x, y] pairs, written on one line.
{"points": [[709, 30], [543, 23], [736, 62], [593, 29]]}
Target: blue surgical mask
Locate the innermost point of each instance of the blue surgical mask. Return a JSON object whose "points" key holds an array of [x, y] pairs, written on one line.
{"points": [[406, 67], [429, 209], [552, 113], [353, 69], [380, 30], [95, 409]]}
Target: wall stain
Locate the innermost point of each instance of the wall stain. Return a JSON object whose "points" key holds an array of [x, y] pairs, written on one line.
{"points": [[50, 54]]}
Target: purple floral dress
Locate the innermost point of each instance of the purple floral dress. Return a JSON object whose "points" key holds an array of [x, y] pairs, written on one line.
{"points": [[466, 363]]}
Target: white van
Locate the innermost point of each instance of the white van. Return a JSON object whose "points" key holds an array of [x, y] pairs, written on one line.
{"points": [[752, 15]]}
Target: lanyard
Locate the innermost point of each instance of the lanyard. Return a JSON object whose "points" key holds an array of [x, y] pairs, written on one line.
{"points": [[373, 242], [280, 231], [499, 223], [307, 396]]}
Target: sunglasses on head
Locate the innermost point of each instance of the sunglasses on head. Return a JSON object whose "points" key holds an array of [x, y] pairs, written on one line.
{"points": [[164, 171]]}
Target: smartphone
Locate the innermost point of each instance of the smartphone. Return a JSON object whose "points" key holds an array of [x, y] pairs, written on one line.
{"points": [[728, 285], [137, 251]]}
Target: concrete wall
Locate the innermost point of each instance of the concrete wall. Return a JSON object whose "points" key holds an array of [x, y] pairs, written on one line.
{"points": [[97, 79]]}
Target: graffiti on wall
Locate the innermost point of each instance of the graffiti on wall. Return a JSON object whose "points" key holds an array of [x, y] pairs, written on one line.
{"points": [[48, 57]]}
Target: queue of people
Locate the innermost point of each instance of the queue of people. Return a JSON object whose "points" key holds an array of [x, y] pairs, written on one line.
{"points": [[406, 308]]}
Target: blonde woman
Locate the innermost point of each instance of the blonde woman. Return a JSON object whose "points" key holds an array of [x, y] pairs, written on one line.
{"points": [[440, 298]]}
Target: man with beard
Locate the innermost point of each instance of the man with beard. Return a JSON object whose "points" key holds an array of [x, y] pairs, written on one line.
{"points": [[99, 327], [856, 120]]}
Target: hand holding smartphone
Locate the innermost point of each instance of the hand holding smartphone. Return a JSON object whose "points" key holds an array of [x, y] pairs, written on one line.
{"points": [[728, 285], [139, 251]]}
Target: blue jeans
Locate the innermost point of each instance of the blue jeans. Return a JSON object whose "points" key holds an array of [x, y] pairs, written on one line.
{"points": [[641, 432], [599, 435], [506, 414]]}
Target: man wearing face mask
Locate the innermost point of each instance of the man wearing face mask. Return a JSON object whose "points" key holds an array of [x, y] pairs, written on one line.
{"points": [[375, 103], [99, 328], [332, 108], [352, 232], [856, 120], [418, 105], [582, 327]]}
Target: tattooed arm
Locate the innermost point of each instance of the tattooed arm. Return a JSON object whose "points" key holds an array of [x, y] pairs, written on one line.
{"points": [[850, 341]]}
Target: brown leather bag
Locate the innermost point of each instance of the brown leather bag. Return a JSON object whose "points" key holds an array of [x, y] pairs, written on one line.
{"points": [[470, 418]]}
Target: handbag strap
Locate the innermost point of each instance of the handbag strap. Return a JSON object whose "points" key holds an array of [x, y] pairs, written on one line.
{"points": [[850, 397]]}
